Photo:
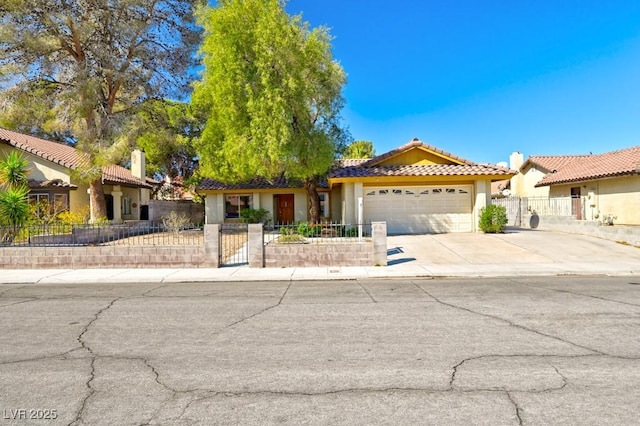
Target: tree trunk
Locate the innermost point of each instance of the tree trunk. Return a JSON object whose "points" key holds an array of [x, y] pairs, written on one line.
{"points": [[98, 201], [314, 201]]}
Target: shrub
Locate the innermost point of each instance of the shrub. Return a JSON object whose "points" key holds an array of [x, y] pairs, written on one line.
{"points": [[176, 222], [304, 228], [254, 216], [493, 219]]}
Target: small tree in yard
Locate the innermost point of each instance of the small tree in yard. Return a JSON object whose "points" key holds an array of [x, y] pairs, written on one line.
{"points": [[493, 219]]}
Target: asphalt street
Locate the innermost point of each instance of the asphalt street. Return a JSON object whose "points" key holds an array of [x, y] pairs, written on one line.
{"points": [[494, 351]]}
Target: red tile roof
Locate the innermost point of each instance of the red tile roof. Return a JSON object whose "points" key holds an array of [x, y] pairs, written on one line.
{"points": [[422, 170], [623, 162], [68, 157], [549, 163]]}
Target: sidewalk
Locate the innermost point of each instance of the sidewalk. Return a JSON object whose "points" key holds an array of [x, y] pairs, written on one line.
{"points": [[515, 253]]}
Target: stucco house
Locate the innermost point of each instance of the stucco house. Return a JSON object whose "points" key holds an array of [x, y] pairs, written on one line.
{"points": [[51, 177], [608, 182], [416, 188]]}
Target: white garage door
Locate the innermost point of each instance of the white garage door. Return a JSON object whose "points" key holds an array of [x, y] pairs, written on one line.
{"points": [[425, 209]]}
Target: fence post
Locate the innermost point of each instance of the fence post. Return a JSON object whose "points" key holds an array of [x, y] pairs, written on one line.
{"points": [[212, 245], [379, 236], [256, 245]]}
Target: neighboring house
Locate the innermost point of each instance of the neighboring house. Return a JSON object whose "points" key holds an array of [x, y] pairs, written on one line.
{"points": [[51, 177], [416, 188], [609, 182]]}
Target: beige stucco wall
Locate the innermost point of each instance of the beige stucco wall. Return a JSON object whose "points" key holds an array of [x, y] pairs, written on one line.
{"points": [[619, 197], [523, 184]]}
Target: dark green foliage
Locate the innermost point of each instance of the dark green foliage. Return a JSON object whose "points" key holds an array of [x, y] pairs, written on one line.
{"points": [[308, 230], [254, 216], [493, 219]]}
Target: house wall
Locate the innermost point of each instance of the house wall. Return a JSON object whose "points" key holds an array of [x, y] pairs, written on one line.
{"points": [[214, 204], [523, 184], [619, 197]]}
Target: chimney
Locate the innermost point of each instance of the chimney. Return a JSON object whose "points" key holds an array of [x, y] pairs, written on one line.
{"points": [[516, 160], [138, 165]]}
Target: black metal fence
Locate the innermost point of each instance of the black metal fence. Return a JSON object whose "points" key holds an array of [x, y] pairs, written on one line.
{"points": [[234, 247], [322, 233], [139, 234]]}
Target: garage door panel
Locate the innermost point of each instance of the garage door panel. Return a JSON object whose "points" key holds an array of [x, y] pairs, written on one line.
{"points": [[429, 209]]}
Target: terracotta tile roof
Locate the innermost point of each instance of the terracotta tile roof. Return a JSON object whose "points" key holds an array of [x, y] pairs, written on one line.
{"points": [[549, 163], [68, 157], [609, 164], [422, 170], [55, 152], [348, 162], [50, 184], [118, 175], [415, 143]]}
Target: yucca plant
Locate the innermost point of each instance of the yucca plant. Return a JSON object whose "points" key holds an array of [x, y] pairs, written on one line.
{"points": [[13, 170], [14, 206]]}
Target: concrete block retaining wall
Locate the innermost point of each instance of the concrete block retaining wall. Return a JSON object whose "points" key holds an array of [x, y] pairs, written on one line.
{"points": [[105, 257], [326, 254], [621, 233]]}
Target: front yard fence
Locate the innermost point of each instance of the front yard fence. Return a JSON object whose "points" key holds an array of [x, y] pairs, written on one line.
{"points": [[144, 245]]}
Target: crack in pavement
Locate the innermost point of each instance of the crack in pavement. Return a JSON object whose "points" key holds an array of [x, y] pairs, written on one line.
{"points": [[604, 299], [565, 381], [513, 324], [367, 291], [85, 345], [29, 299], [517, 408]]}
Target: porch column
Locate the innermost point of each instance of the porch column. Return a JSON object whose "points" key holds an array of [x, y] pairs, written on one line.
{"points": [[116, 193], [92, 218], [349, 204], [483, 199]]}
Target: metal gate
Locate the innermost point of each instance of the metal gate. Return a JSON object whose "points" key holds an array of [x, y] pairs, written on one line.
{"points": [[234, 244]]}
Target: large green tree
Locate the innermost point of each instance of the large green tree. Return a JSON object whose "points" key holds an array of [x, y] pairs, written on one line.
{"points": [[359, 149], [272, 93], [166, 132], [93, 63]]}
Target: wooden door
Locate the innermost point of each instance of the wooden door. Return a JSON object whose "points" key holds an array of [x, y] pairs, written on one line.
{"points": [[285, 209]]}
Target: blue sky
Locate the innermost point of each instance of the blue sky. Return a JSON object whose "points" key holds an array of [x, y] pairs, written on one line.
{"points": [[482, 79]]}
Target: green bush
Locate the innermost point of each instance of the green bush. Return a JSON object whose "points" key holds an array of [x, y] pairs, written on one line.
{"points": [[304, 228], [254, 216], [493, 219]]}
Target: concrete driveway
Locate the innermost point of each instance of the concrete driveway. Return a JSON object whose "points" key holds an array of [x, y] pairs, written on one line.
{"points": [[516, 252]]}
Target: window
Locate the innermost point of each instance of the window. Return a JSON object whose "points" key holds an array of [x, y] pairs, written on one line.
{"points": [[383, 191], [371, 193], [324, 204], [38, 198], [397, 191], [235, 204], [126, 205]]}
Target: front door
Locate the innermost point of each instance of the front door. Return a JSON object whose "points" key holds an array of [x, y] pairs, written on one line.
{"points": [[284, 208], [576, 203]]}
